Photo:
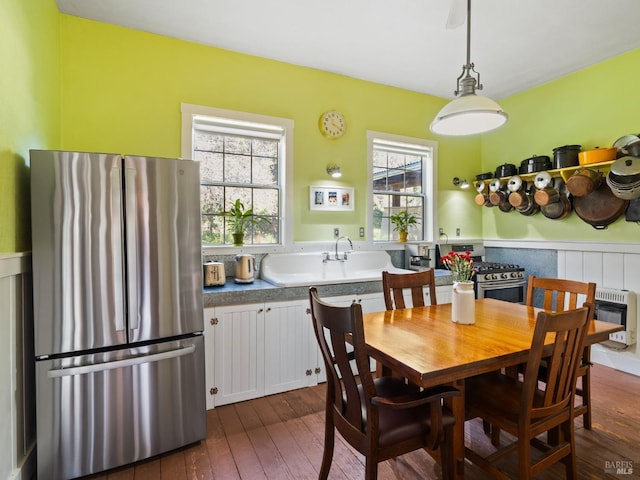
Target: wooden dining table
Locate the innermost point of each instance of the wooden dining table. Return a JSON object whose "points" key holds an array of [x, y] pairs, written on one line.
{"points": [[423, 345]]}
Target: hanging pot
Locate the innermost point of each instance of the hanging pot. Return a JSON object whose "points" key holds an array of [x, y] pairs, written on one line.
{"points": [[600, 208], [498, 198], [505, 207], [584, 181], [546, 196], [628, 145], [542, 180], [514, 184], [495, 185], [532, 208], [624, 178], [482, 199], [566, 156], [557, 210], [535, 164], [597, 155]]}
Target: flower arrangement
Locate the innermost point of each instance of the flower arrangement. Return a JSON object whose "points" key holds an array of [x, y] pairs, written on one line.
{"points": [[460, 264]]}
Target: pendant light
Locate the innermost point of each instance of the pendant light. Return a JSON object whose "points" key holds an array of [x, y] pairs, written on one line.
{"points": [[468, 114]]}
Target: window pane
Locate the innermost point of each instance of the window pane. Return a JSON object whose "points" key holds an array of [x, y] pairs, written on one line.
{"points": [[267, 201], [237, 169], [211, 199], [265, 148], [395, 180], [210, 166], [379, 158], [265, 171], [237, 145], [208, 141], [212, 229]]}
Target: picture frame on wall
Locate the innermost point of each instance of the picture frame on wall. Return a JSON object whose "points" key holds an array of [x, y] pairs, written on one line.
{"points": [[331, 198]]}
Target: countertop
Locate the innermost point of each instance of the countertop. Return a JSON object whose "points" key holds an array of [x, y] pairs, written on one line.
{"points": [[260, 291]]}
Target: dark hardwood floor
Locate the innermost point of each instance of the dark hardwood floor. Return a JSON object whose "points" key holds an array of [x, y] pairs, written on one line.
{"points": [[281, 437]]}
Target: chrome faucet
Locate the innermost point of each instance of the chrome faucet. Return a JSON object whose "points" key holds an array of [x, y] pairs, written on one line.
{"points": [[326, 256], [344, 257]]}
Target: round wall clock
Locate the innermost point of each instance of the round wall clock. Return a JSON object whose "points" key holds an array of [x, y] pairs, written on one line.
{"points": [[332, 124]]}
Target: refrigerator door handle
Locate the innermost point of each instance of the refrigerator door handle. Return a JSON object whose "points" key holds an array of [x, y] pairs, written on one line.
{"points": [[127, 362], [132, 246], [116, 243]]}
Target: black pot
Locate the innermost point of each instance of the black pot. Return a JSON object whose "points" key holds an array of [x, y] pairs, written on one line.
{"points": [[535, 164], [566, 156], [484, 176], [506, 170]]}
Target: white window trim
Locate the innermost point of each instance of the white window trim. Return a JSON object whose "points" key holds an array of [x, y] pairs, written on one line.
{"points": [[286, 173], [431, 191]]}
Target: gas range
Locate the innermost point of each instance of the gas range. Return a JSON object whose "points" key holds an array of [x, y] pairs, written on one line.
{"points": [[497, 272]]}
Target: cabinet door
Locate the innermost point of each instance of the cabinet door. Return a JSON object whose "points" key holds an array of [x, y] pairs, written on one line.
{"points": [[209, 357], [287, 331], [238, 353]]}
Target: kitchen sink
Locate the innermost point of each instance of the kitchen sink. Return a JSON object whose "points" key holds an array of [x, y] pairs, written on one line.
{"points": [[319, 268]]}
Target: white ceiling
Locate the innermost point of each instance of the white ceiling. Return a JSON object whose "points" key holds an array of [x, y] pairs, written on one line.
{"points": [[515, 44]]}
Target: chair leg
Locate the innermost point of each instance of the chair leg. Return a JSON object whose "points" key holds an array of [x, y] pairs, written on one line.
{"points": [[327, 456], [370, 468], [569, 461], [586, 398], [524, 457]]}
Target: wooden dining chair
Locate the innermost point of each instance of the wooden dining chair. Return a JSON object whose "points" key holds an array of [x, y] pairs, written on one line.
{"points": [[559, 295], [395, 284], [381, 418], [526, 411]]}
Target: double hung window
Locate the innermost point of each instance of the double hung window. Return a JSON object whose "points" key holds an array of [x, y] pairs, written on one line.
{"points": [[242, 157], [402, 174]]}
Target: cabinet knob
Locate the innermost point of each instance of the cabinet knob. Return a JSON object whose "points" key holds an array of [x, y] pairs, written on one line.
{"points": [[318, 370], [213, 321], [213, 391], [308, 311], [308, 372]]}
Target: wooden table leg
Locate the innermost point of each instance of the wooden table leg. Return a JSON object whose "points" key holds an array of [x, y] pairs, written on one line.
{"points": [[456, 404]]}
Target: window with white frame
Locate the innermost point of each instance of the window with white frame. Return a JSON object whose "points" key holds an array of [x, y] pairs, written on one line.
{"points": [[242, 157], [402, 171]]}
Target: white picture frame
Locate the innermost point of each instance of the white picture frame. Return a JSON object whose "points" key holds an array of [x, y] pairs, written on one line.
{"points": [[331, 198]]}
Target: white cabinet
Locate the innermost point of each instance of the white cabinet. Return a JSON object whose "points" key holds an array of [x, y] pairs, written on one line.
{"points": [[257, 349], [234, 352], [288, 363]]}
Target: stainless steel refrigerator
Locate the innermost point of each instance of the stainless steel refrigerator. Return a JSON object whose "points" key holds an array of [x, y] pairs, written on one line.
{"points": [[117, 309]]}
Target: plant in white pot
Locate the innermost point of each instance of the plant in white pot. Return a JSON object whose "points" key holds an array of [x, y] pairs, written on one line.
{"points": [[239, 219], [402, 221]]}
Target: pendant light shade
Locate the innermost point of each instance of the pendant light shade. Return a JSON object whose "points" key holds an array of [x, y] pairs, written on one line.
{"points": [[468, 114]]}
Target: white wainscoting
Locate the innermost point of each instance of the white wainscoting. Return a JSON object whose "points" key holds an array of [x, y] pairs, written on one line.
{"points": [[617, 270], [610, 265], [17, 417]]}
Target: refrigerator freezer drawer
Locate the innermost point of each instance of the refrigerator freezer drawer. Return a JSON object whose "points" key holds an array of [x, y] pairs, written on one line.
{"points": [[100, 411]]}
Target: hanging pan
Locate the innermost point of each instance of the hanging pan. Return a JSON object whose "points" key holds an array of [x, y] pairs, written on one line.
{"points": [[600, 208]]}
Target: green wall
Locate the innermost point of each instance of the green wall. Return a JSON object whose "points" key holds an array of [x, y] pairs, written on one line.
{"points": [[77, 84], [122, 91], [592, 107], [29, 106]]}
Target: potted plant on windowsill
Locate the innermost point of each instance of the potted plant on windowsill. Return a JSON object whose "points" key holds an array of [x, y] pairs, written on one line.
{"points": [[402, 221], [239, 218]]}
